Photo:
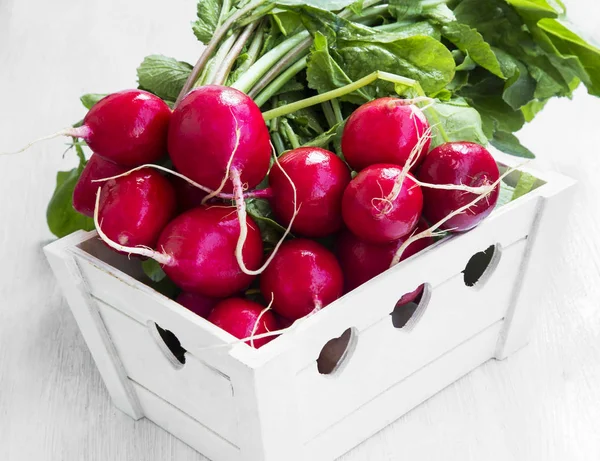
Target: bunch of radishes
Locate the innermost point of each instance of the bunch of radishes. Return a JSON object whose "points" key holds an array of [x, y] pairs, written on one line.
{"points": [[220, 148]]}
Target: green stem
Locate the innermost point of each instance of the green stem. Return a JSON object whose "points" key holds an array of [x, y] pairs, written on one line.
{"points": [[283, 63], [337, 110], [328, 112], [278, 143], [224, 12], [348, 13], [290, 134], [224, 69], [215, 64], [279, 82], [253, 49], [267, 61], [212, 45], [342, 91], [371, 13]]}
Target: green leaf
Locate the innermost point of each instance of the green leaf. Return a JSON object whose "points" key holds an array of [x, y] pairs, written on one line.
{"points": [[260, 211], [508, 143], [329, 5], [460, 122], [90, 99], [505, 194], [525, 184], [324, 74], [469, 41], [208, 12], [163, 76], [153, 270], [324, 139], [61, 217], [436, 10], [570, 44]]}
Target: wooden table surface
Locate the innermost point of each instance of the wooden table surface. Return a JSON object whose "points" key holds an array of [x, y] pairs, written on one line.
{"points": [[541, 404]]}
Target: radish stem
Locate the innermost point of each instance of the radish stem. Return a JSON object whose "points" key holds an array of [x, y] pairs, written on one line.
{"points": [[284, 63], [223, 72], [280, 81], [212, 45]]}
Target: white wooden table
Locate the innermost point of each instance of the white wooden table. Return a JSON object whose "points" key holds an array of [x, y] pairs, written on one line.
{"points": [[541, 404]]}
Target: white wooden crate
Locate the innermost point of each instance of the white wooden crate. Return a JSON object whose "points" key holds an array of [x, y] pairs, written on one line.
{"points": [[272, 404]]}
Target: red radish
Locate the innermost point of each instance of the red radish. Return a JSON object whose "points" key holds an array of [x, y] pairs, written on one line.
{"points": [[303, 277], [384, 131], [84, 194], [128, 127], [198, 251], [320, 178], [377, 209], [188, 196], [361, 261], [199, 304], [218, 138], [243, 319], [458, 163], [217, 129], [134, 209]]}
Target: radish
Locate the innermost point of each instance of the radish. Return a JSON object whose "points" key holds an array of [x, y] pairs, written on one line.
{"points": [[200, 245], [302, 278], [382, 204], [320, 178], [361, 261], [199, 304], [188, 196], [218, 138], [464, 164], [243, 319], [128, 127], [84, 193], [216, 130], [134, 209], [384, 131]]}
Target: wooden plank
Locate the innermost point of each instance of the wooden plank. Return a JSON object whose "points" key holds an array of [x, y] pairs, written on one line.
{"points": [[385, 355], [402, 397], [200, 391], [185, 428], [90, 323], [549, 224]]}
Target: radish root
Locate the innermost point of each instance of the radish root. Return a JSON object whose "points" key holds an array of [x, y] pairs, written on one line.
{"points": [[261, 193], [141, 250], [241, 210], [263, 312], [79, 132], [430, 232], [216, 192]]}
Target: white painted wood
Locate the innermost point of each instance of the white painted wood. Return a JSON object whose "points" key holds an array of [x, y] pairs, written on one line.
{"points": [[187, 429], [385, 355], [90, 323], [200, 391], [548, 227], [403, 396], [541, 403]]}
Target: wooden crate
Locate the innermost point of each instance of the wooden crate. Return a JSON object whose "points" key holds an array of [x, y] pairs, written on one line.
{"points": [[271, 404]]}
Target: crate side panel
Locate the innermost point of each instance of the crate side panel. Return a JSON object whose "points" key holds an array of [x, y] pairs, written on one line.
{"points": [[402, 397], [146, 305], [197, 389], [185, 428], [385, 355], [434, 265]]}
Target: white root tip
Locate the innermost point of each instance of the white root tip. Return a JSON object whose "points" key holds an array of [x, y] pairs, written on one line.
{"points": [[241, 210], [216, 192], [141, 250], [431, 231], [78, 132]]}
